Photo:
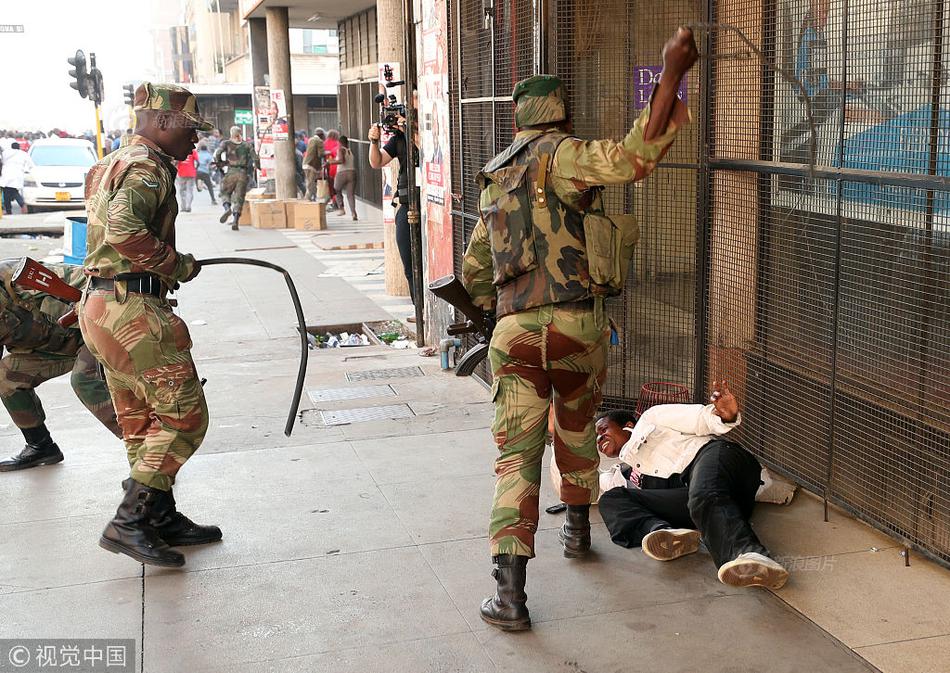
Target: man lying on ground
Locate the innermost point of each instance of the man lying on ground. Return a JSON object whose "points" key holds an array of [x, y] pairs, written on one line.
{"points": [[693, 483]]}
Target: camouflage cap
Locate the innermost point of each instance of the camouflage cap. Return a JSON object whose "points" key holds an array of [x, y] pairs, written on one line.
{"points": [[171, 97], [539, 100]]}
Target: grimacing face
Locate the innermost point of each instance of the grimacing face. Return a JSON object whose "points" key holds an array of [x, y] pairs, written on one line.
{"points": [[611, 437]]}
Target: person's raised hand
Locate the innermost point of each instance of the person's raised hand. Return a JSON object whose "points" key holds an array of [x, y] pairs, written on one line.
{"points": [[374, 133], [679, 53], [727, 406]]}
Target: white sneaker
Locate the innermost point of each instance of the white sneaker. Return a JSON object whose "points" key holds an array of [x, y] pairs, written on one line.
{"points": [[667, 544], [753, 570]]}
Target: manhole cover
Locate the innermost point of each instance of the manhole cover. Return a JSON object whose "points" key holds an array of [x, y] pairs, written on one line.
{"points": [[354, 393], [347, 416], [398, 373]]}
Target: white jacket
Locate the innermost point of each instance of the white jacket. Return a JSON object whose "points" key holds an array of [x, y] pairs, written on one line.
{"points": [[668, 436], [16, 164]]}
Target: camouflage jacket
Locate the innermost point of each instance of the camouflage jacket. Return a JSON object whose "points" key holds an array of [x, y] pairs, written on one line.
{"points": [[237, 156], [313, 157], [28, 317], [131, 206], [549, 262]]}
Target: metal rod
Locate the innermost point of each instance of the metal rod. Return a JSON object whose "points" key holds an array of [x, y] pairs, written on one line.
{"points": [[915, 181], [412, 201], [703, 218], [301, 327]]}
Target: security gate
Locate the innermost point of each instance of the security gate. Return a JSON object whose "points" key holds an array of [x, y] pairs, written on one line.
{"points": [[795, 241]]}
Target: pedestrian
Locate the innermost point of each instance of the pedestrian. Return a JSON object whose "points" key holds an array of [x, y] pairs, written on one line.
{"points": [[185, 181], [129, 326], [345, 180], [39, 349], [203, 172], [543, 256], [313, 162], [397, 148], [330, 146], [16, 164], [214, 141], [241, 159]]}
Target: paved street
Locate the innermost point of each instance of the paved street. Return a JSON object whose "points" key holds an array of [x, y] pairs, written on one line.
{"points": [[362, 547]]}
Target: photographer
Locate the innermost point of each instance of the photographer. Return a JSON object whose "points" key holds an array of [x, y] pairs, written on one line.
{"points": [[397, 148]]}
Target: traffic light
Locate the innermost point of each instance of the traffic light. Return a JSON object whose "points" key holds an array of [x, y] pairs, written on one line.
{"points": [[78, 73], [95, 81], [129, 94]]}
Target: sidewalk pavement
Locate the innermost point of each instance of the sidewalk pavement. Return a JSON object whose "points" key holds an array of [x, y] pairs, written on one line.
{"points": [[362, 547]]}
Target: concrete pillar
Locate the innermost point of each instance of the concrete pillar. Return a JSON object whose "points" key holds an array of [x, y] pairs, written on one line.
{"points": [[278, 61], [257, 30], [390, 36]]}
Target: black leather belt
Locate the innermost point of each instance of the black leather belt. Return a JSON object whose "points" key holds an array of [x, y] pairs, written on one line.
{"points": [[142, 283], [580, 304]]}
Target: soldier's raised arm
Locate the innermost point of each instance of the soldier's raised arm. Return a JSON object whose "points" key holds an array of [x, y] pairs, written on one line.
{"points": [[588, 163]]}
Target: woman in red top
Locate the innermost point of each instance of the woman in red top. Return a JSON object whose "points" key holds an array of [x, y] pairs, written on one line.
{"points": [[330, 147], [185, 182]]}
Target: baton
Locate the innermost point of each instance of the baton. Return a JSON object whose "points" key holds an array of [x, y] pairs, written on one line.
{"points": [[301, 326]]}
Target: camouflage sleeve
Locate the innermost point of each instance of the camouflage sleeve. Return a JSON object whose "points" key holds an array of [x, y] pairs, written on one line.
{"points": [[477, 272], [132, 207], [20, 328], [581, 164]]}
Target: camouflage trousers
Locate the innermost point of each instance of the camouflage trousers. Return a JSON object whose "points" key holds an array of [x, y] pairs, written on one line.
{"points": [[550, 352], [21, 373], [145, 350], [233, 189]]}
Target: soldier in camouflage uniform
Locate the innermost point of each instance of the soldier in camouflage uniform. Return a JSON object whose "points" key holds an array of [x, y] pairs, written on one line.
{"points": [[40, 350], [240, 158], [129, 326], [543, 256]]}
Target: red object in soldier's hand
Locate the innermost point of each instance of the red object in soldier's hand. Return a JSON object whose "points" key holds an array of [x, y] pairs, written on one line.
{"points": [[34, 276]]}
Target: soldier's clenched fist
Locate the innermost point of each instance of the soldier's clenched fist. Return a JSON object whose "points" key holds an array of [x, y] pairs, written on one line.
{"points": [[679, 52]]}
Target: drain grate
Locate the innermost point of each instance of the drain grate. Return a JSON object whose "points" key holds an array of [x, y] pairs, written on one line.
{"points": [[354, 393], [347, 416], [398, 373]]}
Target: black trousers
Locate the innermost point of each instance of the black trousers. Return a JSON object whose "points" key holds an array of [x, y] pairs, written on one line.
{"points": [[715, 494], [404, 243], [11, 194], [205, 178]]}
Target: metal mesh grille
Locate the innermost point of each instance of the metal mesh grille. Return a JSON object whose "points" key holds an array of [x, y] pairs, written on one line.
{"points": [[828, 288], [800, 252], [601, 48]]}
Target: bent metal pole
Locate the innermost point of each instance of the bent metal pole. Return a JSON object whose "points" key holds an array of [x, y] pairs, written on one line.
{"points": [[301, 326]]}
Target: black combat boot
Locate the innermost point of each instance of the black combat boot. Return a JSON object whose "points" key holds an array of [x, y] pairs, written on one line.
{"points": [[575, 533], [176, 529], [234, 225], [227, 212], [131, 532], [506, 609], [40, 449]]}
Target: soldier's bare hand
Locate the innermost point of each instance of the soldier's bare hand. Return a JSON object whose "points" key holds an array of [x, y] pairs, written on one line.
{"points": [[727, 406], [679, 53], [373, 133]]}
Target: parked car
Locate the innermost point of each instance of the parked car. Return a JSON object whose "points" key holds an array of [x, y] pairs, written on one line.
{"points": [[58, 179]]}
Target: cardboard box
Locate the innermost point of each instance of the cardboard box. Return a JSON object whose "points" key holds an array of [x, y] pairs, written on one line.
{"points": [[306, 215], [245, 219], [258, 193], [267, 214]]}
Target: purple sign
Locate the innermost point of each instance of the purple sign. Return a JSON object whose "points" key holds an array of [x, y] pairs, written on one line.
{"points": [[645, 77]]}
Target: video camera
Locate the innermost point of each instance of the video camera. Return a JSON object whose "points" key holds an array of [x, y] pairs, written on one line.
{"points": [[390, 110]]}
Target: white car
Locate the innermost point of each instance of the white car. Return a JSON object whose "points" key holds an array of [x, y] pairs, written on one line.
{"points": [[59, 176]]}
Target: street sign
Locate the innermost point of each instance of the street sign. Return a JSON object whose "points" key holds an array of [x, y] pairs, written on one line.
{"points": [[243, 117], [11, 27]]}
